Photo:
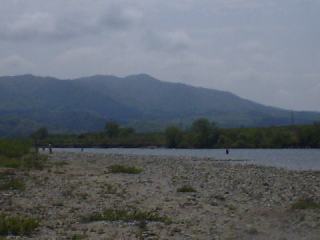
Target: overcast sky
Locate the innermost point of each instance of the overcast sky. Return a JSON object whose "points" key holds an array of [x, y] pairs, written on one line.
{"points": [[264, 50]]}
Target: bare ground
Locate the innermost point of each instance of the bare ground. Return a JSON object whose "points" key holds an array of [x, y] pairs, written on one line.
{"points": [[231, 201]]}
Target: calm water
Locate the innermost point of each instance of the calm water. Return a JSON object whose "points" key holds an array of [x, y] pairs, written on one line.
{"points": [[294, 159]]}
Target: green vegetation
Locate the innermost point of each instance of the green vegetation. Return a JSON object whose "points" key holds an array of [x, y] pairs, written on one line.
{"points": [[79, 237], [60, 163], [204, 134], [101, 139], [112, 129], [273, 137], [186, 189], [9, 162], [30, 161], [17, 225], [14, 148], [201, 134], [174, 136], [109, 189], [40, 134], [18, 154], [12, 184], [112, 215], [125, 169], [306, 204]]}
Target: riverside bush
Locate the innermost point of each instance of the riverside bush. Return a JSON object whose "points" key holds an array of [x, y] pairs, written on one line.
{"points": [[186, 188], [125, 169], [17, 225], [305, 204]]}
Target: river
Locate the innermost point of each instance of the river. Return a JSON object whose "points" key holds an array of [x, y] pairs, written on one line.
{"points": [[293, 159]]}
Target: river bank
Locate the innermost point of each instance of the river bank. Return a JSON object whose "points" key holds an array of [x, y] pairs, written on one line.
{"points": [[198, 198]]}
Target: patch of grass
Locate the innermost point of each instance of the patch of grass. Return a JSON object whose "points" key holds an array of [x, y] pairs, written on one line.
{"points": [[14, 148], [12, 184], [252, 230], [220, 197], [82, 195], [17, 225], [60, 163], [231, 207], [68, 192], [79, 237], [305, 204], [58, 204], [125, 169], [6, 162], [186, 189], [112, 215], [108, 189], [19, 154], [34, 161], [29, 161]]}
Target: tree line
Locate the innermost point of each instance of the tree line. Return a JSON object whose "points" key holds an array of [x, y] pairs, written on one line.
{"points": [[205, 134], [201, 134]]}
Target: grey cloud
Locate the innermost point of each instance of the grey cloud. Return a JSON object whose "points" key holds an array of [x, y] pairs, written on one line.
{"points": [[29, 26], [15, 64], [176, 41], [54, 25], [268, 51], [117, 17]]}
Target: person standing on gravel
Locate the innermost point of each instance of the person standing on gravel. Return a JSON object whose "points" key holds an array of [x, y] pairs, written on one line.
{"points": [[50, 148]]}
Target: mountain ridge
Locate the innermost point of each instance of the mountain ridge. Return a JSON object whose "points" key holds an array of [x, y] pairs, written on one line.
{"points": [[136, 100]]}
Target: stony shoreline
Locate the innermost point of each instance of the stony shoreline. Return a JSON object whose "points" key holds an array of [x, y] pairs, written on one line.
{"points": [[231, 201]]}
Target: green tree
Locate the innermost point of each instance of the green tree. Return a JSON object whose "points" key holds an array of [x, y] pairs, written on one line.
{"points": [[40, 134], [174, 136], [224, 141], [125, 132], [205, 134], [243, 140], [112, 129]]}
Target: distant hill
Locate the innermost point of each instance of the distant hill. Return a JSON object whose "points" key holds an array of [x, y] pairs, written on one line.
{"points": [[28, 102]]}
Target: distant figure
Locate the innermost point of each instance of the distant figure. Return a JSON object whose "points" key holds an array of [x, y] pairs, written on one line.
{"points": [[82, 149], [227, 151], [50, 148]]}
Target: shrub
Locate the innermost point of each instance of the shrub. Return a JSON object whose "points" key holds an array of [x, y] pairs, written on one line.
{"points": [[186, 188], [109, 189], [18, 154], [14, 148], [28, 161], [12, 184], [112, 129], [305, 204], [125, 169], [17, 225], [78, 237], [174, 136], [9, 162]]}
